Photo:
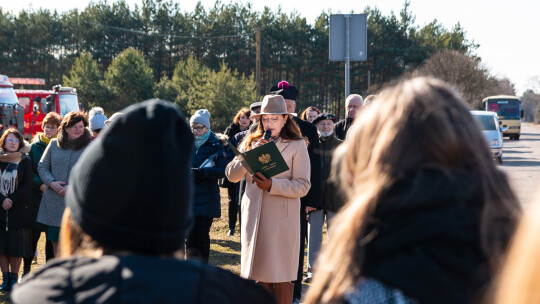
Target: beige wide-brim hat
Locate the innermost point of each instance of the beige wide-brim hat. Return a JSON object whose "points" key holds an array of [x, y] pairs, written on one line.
{"points": [[272, 104]]}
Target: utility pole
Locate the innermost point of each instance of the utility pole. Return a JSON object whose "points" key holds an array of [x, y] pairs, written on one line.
{"points": [[347, 55], [258, 63]]}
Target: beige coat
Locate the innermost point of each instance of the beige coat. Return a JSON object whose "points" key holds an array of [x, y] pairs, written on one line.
{"points": [[271, 220]]}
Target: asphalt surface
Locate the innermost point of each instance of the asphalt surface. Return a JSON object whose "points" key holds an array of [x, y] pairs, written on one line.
{"points": [[521, 162]]}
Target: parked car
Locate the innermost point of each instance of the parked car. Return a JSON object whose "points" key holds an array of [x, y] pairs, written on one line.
{"points": [[489, 122]]}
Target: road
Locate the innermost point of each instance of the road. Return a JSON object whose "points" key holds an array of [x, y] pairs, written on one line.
{"points": [[521, 162]]}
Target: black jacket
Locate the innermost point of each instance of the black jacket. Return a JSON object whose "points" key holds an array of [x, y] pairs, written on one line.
{"points": [[313, 197], [332, 197], [20, 215], [135, 279], [342, 127], [207, 200]]}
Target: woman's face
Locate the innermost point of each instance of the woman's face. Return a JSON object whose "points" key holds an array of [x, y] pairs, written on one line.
{"points": [[12, 143], [311, 115], [50, 130], [244, 121], [75, 131], [273, 122], [198, 129]]}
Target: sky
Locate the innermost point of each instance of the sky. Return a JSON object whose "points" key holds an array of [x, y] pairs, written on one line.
{"points": [[507, 31]]}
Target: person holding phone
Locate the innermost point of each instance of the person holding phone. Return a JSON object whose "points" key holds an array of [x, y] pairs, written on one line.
{"points": [[208, 160], [270, 226]]}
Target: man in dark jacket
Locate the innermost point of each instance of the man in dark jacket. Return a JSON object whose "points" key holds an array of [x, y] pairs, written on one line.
{"points": [[312, 200], [353, 105], [332, 199], [129, 209]]}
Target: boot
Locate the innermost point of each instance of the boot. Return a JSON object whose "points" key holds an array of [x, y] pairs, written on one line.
{"points": [[267, 286], [13, 278], [284, 292], [27, 264], [5, 284]]}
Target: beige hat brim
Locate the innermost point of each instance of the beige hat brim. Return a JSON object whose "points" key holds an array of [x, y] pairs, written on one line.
{"points": [[260, 114]]}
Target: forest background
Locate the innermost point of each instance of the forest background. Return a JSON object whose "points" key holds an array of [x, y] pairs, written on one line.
{"points": [[116, 55]]}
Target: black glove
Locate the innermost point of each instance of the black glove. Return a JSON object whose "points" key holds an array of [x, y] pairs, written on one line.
{"points": [[198, 174]]}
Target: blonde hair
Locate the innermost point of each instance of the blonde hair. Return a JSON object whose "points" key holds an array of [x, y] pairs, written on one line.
{"points": [[420, 123], [73, 241], [518, 281]]}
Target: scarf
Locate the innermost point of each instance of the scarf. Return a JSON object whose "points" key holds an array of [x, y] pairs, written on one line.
{"points": [[200, 140], [45, 139], [425, 237], [8, 177]]}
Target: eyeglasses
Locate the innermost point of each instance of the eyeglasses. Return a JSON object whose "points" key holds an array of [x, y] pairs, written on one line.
{"points": [[50, 127], [13, 140], [198, 129]]}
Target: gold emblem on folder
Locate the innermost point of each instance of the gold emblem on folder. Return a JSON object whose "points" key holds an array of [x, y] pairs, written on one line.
{"points": [[265, 158]]}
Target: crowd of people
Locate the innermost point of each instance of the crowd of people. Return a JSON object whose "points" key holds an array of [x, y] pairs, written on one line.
{"points": [[415, 210]]}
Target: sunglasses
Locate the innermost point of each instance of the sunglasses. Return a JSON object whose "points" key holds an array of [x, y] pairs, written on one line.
{"points": [[13, 140]]}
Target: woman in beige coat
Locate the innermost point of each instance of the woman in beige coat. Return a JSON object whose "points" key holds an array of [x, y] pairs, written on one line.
{"points": [[271, 206]]}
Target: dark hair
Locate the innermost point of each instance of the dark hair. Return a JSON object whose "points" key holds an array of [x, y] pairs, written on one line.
{"points": [[14, 132], [289, 131], [52, 118], [244, 111], [71, 119], [304, 113]]}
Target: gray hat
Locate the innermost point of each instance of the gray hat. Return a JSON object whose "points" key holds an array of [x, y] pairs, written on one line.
{"points": [[272, 104], [97, 118], [201, 116], [114, 117]]}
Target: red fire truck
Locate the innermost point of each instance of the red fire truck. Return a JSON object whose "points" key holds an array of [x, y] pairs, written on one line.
{"points": [[11, 113], [37, 103]]}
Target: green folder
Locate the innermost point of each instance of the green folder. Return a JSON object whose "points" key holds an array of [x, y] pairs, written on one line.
{"points": [[265, 159]]}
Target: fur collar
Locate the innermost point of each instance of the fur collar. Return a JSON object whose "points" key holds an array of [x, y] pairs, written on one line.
{"points": [[77, 144]]}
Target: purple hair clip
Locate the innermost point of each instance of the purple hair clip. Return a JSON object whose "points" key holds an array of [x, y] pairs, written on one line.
{"points": [[283, 85]]}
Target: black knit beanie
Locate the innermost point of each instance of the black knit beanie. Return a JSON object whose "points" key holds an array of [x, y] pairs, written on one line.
{"points": [[132, 187]]}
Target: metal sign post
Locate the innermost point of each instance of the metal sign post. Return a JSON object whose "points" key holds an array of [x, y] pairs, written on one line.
{"points": [[348, 41]]}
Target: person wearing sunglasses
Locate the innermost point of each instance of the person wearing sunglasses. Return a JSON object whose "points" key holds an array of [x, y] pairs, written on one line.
{"points": [[208, 161], [15, 214]]}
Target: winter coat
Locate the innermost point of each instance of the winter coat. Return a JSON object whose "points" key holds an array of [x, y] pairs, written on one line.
{"points": [[55, 165], [207, 197], [342, 127], [20, 214], [332, 198], [308, 130], [36, 152], [270, 231], [232, 130], [135, 279]]}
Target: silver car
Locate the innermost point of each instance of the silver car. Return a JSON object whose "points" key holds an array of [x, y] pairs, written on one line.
{"points": [[489, 122]]}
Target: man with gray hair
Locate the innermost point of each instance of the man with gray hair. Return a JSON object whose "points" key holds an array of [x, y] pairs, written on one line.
{"points": [[353, 104]]}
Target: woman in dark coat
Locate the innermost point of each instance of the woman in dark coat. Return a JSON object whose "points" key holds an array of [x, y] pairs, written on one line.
{"points": [[15, 214], [208, 166], [50, 125], [240, 123]]}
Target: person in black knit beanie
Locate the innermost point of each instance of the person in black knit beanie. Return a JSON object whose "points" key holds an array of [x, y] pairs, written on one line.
{"points": [[129, 209]]}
